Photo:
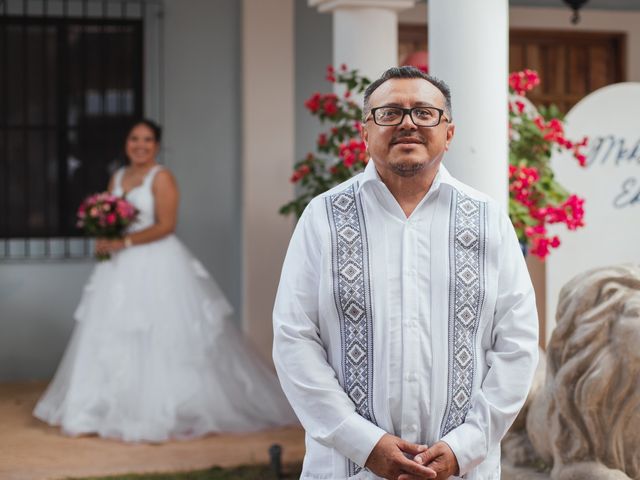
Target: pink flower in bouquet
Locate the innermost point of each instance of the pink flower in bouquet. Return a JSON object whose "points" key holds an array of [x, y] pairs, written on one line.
{"points": [[124, 209], [108, 216]]}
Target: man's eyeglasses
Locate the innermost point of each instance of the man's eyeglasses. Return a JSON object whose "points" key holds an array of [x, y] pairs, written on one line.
{"points": [[420, 116]]}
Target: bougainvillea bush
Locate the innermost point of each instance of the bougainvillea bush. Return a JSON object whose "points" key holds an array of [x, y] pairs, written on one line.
{"points": [[536, 198], [340, 150]]}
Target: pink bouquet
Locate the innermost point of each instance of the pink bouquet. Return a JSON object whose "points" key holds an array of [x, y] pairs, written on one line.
{"points": [[105, 215]]}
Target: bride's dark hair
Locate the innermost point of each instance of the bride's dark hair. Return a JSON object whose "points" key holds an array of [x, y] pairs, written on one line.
{"points": [[153, 126]]}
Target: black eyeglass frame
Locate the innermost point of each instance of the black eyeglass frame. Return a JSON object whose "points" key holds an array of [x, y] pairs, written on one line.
{"points": [[405, 112]]}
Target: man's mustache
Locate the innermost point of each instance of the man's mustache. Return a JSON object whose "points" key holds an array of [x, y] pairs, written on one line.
{"points": [[405, 136]]}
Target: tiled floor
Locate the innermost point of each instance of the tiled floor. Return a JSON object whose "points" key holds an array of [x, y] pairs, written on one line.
{"points": [[31, 450]]}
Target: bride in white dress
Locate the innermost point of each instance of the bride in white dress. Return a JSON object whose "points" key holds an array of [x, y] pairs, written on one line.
{"points": [[152, 355]]}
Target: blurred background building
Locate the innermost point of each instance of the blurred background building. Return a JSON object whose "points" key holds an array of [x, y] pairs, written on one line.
{"points": [[228, 80]]}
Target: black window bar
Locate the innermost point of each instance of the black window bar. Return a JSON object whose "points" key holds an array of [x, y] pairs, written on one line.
{"points": [[71, 82]]}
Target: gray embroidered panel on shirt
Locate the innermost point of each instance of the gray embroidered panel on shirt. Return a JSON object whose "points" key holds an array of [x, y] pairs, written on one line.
{"points": [[352, 294], [467, 243]]}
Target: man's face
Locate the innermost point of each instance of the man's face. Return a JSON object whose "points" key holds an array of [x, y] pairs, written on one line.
{"points": [[405, 149]]}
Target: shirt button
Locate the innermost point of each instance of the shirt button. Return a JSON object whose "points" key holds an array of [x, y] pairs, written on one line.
{"points": [[411, 428]]}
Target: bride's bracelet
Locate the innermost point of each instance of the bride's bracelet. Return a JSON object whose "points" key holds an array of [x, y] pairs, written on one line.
{"points": [[127, 242]]}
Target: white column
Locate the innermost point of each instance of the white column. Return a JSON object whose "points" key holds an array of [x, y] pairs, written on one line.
{"points": [[268, 155], [365, 33], [468, 49]]}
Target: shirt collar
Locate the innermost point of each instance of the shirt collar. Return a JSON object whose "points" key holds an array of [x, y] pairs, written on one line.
{"points": [[370, 175]]}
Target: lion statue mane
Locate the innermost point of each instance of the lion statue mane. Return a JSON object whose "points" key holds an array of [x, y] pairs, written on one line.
{"points": [[583, 419]]}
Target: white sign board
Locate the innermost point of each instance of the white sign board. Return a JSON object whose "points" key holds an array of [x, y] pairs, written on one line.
{"points": [[610, 185]]}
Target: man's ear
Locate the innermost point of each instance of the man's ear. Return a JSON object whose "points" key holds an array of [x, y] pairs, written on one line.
{"points": [[451, 130]]}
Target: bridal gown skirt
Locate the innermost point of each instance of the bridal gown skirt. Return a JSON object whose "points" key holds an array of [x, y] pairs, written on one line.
{"points": [[153, 357]]}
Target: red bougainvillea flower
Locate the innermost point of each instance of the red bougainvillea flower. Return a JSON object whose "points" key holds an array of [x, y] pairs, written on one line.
{"points": [[524, 187], [331, 77], [541, 246], [570, 212], [521, 181], [553, 131], [352, 152], [300, 173], [522, 82], [577, 151], [326, 104], [313, 103], [330, 105]]}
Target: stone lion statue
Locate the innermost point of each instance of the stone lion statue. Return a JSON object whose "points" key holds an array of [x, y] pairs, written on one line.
{"points": [[583, 419]]}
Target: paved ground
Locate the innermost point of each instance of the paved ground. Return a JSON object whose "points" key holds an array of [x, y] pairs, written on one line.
{"points": [[31, 450]]}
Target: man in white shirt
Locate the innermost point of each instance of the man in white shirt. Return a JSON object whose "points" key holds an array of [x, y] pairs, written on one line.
{"points": [[405, 328]]}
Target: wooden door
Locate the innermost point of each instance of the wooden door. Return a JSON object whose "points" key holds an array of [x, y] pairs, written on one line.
{"points": [[571, 64]]}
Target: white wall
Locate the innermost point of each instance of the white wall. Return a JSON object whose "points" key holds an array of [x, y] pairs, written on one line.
{"points": [[202, 124], [202, 147], [37, 302]]}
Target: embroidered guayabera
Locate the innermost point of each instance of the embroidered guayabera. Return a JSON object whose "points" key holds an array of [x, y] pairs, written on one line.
{"points": [[467, 241], [352, 292]]}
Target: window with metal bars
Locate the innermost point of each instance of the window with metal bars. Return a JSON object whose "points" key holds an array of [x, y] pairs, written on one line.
{"points": [[71, 83]]}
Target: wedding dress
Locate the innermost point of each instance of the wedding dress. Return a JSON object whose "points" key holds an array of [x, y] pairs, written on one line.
{"points": [[153, 355]]}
